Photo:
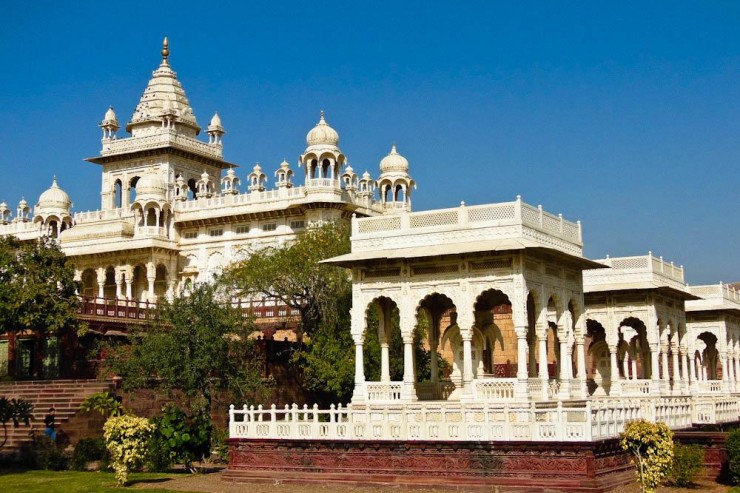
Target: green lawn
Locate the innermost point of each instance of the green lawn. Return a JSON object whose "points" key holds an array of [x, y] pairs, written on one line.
{"points": [[77, 482]]}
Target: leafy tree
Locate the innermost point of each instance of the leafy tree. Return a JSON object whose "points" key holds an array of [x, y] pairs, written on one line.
{"points": [[322, 294], [292, 275], [180, 438], [37, 286], [103, 402], [126, 438], [16, 410], [651, 447], [197, 344]]}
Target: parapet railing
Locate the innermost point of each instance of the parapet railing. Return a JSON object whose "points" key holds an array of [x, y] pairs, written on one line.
{"points": [[503, 213], [717, 291], [588, 420], [647, 263]]}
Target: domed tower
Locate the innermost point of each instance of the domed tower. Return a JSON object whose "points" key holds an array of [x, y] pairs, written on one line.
{"points": [[150, 205], [230, 183], [109, 125], [394, 182], [284, 175], [322, 158], [52, 211], [215, 130], [257, 179]]}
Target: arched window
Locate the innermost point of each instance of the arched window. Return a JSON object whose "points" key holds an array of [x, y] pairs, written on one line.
{"points": [[325, 168], [193, 189], [118, 194], [132, 189], [312, 173]]}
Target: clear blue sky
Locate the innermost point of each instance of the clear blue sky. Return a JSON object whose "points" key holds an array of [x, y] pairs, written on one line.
{"points": [[625, 115]]}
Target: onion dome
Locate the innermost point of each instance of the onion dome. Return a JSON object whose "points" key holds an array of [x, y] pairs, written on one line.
{"points": [[3, 207], [215, 124], [231, 173], [54, 199], [22, 204], [394, 162], [151, 186], [366, 176], [322, 134], [110, 119]]}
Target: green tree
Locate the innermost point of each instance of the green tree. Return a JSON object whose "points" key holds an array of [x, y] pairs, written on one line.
{"points": [[16, 411], [37, 287], [198, 344], [292, 275]]}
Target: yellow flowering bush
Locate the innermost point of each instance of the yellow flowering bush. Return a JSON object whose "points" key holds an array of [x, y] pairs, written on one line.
{"points": [[127, 437], [651, 447]]}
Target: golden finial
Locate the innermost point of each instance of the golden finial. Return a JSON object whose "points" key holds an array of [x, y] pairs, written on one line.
{"points": [[165, 49]]}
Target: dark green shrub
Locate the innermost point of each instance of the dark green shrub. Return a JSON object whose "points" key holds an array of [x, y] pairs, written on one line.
{"points": [[42, 453], [179, 438], [88, 450], [733, 453], [687, 462]]}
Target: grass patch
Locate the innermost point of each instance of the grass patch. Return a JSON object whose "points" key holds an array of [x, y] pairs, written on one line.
{"points": [[78, 482]]}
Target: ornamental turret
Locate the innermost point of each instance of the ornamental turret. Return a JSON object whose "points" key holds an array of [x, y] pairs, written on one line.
{"points": [[23, 213], [394, 182], [4, 213], [230, 183], [215, 130], [52, 211], [109, 125], [322, 158], [366, 185], [204, 186], [181, 189], [349, 178], [257, 179], [284, 175]]}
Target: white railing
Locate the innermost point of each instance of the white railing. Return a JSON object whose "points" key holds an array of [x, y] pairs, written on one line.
{"points": [[636, 387], [323, 182], [102, 215], [494, 389], [383, 391], [709, 387], [577, 420], [502, 214], [429, 391], [160, 138], [150, 231]]}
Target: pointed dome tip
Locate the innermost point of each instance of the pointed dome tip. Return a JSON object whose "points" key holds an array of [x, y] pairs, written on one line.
{"points": [[165, 49]]}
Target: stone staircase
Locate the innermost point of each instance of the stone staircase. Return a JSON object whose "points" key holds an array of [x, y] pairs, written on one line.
{"points": [[65, 396]]}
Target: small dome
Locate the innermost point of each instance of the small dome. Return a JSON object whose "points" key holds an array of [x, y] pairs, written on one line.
{"points": [[3, 207], [110, 120], [151, 186], [366, 175], [285, 164], [257, 168], [110, 114], [216, 120], [215, 126], [394, 162], [54, 198], [22, 204], [322, 134], [231, 173], [205, 176]]}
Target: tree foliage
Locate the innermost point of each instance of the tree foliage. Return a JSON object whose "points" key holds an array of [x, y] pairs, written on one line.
{"points": [[104, 403], [197, 344], [127, 439], [37, 286], [651, 447], [16, 411], [292, 275]]}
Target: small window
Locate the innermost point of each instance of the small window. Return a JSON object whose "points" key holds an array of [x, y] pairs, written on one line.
{"points": [[216, 232], [190, 235], [297, 224], [242, 230], [269, 227]]}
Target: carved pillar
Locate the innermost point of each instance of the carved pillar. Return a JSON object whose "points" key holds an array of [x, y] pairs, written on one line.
{"points": [[634, 367], [542, 346], [100, 278], [129, 288], [385, 369], [566, 369], [664, 362], [614, 384], [725, 371], [467, 360], [521, 362], [654, 375], [692, 372], [151, 276], [581, 367], [675, 374]]}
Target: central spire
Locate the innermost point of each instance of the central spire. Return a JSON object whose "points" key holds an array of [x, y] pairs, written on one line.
{"points": [[165, 51]]}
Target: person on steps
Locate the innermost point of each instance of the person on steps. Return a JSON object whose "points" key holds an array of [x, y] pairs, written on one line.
{"points": [[49, 430]]}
